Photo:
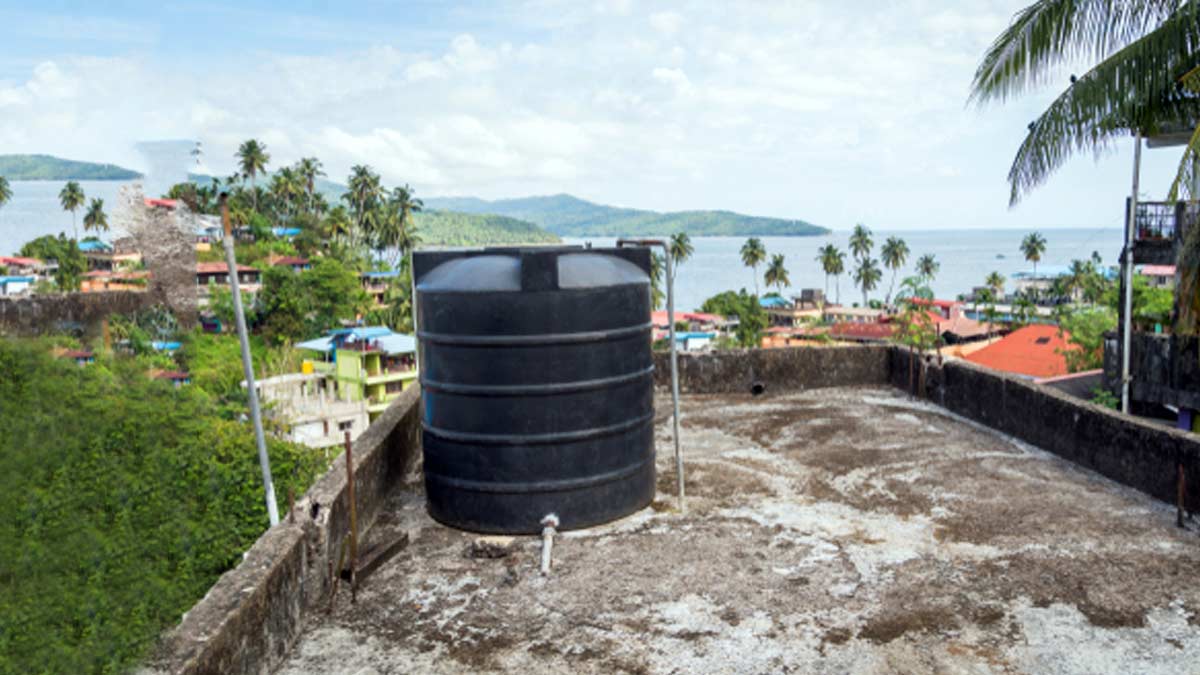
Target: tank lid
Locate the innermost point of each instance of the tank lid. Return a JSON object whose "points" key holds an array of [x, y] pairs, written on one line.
{"points": [[477, 273], [587, 270]]}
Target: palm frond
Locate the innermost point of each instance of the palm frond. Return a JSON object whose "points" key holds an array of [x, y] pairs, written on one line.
{"points": [[1050, 32], [1135, 88]]}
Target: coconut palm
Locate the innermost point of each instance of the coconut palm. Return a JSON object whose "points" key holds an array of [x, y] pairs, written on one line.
{"points": [[397, 231], [95, 219], [286, 187], [753, 255], [1033, 246], [828, 257], [5, 191], [309, 169], [927, 267], [995, 282], [337, 223], [681, 250], [252, 159], [867, 276], [364, 189], [861, 242], [776, 274], [837, 266], [1143, 52], [71, 197], [894, 254]]}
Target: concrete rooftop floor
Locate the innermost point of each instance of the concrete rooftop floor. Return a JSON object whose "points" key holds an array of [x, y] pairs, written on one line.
{"points": [[836, 530]]}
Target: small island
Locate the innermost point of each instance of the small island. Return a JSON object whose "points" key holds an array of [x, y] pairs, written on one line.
{"points": [[45, 167]]}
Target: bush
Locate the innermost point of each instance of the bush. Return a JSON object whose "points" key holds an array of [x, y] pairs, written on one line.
{"points": [[122, 500]]}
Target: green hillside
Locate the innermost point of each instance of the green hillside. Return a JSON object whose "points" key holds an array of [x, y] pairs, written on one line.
{"points": [[570, 216], [45, 167], [451, 228]]}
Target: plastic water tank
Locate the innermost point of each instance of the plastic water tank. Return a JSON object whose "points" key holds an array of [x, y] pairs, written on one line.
{"points": [[536, 384]]}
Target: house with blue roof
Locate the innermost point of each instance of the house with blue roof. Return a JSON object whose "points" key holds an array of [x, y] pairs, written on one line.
{"points": [[369, 363], [15, 285]]}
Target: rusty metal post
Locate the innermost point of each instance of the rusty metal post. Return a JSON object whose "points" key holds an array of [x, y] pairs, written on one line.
{"points": [[353, 517]]}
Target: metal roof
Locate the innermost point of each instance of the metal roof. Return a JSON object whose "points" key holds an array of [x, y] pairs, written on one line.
{"points": [[389, 342]]}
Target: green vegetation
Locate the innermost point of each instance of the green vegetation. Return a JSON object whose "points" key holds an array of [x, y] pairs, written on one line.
{"points": [[894, 254], [754, 253], [569, 216], [833, 263], [752, 319], [681, 248], [45, 167], [122, 500], [451, 228], [71, 197], [777, 274], [1086, 327], [72, 265], [5, 191]]}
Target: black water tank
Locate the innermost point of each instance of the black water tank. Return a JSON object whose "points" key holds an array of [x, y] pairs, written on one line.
{"points": [[537, 384]]}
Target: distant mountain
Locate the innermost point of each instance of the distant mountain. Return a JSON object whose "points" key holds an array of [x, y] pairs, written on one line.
{"points": [[570, 216], [45, 167], [453, 228]]}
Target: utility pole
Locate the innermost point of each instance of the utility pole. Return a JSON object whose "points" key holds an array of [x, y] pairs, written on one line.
{"points": [[1127, 273], [248, 365]]}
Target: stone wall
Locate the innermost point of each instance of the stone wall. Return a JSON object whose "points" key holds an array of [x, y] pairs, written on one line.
{"points": [[1129, 450], [736, 371], [251, 617], [54, 312], [1165, 368]]}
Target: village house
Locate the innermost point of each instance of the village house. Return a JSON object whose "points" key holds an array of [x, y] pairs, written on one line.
{"points": [[309, 408], [210, 274], [370, 364], [376, 284], [1035, 351], [14, 285], [22, 266]]}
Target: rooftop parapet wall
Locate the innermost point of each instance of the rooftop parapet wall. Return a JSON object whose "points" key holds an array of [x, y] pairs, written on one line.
{"points": [[785, 369], [1126, 449], [252, 616], [50, 312]]}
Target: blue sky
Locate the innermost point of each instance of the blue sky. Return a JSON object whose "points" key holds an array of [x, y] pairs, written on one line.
{"points": [[832, 112]]}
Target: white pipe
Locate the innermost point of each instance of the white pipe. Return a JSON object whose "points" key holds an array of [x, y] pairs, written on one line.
{"points": [[548, 524], [1131, 224]]}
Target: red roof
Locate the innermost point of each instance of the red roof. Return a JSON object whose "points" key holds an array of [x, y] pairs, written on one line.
{"points": [[944, 304], [1158, 270], [162, 203], [659, 318], [862, 331], [219, 268], [289, 261], [963, 327], [1033, 350], [19, 261]]}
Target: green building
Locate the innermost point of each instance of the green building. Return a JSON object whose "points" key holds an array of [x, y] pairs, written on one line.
{"points": [[370, 364]]}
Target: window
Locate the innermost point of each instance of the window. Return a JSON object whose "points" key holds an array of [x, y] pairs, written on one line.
{"points": [[346, 426], [1043, 340]]}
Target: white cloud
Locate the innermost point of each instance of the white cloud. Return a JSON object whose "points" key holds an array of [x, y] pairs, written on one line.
{"points": [[667, 23]]}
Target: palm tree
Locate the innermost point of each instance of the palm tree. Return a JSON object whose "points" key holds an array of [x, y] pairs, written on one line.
{"points": [[364, 189], [894, 254], [928, 266], [5, 191], [995, 282], [252, 158], [397, 231], [656, 274], [867, 276], [337, 223], [860, 241], [1033, 246], [777, 274], [837, 267], [753, 255], [681, 250], [308, 169], [286, 186], [95, 219], [1144, 51], [71, 199], [827, 257]]}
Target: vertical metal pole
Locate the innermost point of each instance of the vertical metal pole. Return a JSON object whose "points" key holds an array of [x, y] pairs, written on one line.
{"points": [[1127, 305], [247, 365], [674, 377], [353, 518]]}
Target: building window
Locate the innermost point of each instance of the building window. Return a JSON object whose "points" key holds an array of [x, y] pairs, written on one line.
{"points": [[346, 426]]}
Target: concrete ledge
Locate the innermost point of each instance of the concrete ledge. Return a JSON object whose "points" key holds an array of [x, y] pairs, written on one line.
{"points": [[1127, 449], [784, 369], [253, 614], [44, 313]]}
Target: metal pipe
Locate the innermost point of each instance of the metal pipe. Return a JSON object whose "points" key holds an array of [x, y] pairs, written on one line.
{"points": [[239, 313], [1127, 304], [674, 359], [548, 524], [353, 518]]}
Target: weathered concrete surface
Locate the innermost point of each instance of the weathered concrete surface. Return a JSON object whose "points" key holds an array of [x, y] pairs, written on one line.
{"points": [[839, 530], [253, 614], [1127, 449], [1165, 368], [54, 312], [786, 369]]}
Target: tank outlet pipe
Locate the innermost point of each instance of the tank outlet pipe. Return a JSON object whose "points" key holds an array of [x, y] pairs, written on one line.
{"points": [[239, 313], [674, 359], [549, 523]]}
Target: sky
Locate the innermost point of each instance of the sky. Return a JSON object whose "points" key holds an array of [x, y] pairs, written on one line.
{"points": [[830, 112]]}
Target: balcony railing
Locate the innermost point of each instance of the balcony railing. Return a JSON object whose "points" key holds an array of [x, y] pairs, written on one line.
{"points": [[1164, 221]]}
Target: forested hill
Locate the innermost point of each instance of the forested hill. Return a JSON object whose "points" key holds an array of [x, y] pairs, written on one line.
{"points": [[450, 228], [45, 167], [570, 216]]}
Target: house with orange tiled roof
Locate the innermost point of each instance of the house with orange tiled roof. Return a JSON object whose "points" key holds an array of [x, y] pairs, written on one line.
{"points": [[1033, 351]]}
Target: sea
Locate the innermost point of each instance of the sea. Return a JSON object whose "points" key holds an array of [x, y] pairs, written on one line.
{"points": [[966, 256]]}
